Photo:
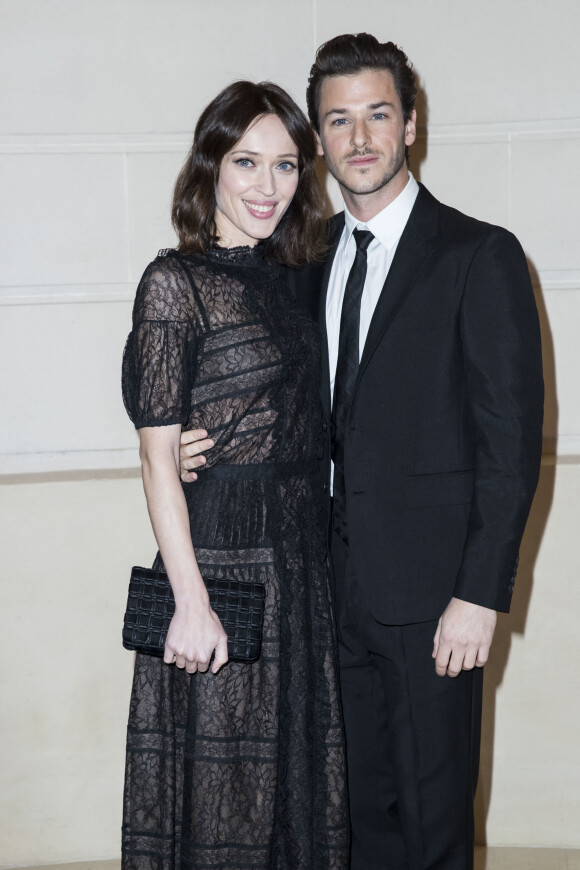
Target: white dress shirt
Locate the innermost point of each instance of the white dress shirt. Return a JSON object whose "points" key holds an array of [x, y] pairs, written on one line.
{"points": [[387, 228]]}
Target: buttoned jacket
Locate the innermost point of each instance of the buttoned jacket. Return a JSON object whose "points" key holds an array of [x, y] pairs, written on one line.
{"points": [[443, 438]]}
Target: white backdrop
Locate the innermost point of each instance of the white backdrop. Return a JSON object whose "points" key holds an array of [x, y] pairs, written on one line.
{"points": [[98, 102]]}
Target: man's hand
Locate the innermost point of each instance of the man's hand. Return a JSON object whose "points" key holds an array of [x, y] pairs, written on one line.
{"points": [[191, 447], [463, 637]]}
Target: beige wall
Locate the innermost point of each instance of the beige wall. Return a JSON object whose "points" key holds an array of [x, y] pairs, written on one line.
{"points": [[96, 110], [68, 548]]}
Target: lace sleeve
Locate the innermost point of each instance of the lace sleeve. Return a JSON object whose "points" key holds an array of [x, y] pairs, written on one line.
{"points": [[159, 357]]}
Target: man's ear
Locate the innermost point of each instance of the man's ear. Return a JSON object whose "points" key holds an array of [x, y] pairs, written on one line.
{"points": [[411, 128], [319, 148]]}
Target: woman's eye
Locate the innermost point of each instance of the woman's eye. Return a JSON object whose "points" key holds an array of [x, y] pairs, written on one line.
{"points": [[287, 166], [244, 161]]}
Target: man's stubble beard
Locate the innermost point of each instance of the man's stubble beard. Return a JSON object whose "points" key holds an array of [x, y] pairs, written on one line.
{"points": [[398, 160]]}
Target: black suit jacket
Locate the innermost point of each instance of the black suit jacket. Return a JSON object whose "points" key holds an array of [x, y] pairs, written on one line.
{"points": [[443, 443]]}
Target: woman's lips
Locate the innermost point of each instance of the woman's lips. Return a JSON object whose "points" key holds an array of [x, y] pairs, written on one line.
{"points": [[261, 210]]}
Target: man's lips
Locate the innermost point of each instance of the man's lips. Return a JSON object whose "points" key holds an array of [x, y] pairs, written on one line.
{"points": [[365, 160], [261, 210]]}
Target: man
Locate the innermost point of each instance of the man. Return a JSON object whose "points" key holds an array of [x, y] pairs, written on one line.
{"points": [[433, 392]]}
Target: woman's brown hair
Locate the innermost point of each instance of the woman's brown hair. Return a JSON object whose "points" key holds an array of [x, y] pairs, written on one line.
{"points": [[300, 235]]}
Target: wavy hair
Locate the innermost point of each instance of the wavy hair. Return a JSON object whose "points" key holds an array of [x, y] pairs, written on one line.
{"points": [[300, 235], [352, 53]]}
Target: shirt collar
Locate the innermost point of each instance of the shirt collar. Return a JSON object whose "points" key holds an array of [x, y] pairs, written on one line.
{"points": [[387, 226]]}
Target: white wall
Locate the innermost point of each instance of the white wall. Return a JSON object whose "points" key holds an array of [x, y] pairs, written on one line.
{"points": [[99, 102], [65, 679], [96, 113]]}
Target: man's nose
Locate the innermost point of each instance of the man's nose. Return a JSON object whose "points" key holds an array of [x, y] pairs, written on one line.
{"points": [[360, 134]]}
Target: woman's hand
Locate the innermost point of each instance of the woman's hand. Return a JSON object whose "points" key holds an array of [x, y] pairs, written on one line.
{"points": [[195, 631]]}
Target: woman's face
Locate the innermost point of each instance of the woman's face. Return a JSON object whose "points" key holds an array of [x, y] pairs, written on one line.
{"points": [[257, 181]]}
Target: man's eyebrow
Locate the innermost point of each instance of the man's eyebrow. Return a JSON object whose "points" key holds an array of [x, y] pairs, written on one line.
{"points": [[373, 106]]}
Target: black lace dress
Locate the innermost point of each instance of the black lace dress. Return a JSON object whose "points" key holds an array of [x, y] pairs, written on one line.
{"points": [[244, 769]]}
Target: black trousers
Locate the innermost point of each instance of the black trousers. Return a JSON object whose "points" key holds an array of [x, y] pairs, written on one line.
{"points": [[412, 740]]}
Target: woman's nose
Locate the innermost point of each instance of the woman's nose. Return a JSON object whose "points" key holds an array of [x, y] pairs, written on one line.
{"points": [[266, 183]]}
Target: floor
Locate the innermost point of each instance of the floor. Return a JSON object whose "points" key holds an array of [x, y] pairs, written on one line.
{"points": [[485, 859], [524, 859]]}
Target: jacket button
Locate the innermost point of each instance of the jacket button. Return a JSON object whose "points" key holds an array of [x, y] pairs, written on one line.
{"points": [[324, 426], [325, 487]]}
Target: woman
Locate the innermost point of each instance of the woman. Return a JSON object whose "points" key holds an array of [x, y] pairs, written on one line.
{"points": [[233, 765]]}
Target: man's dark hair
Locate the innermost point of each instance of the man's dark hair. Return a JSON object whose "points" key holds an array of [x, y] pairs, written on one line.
{"points": [[300, 235], [353, 53]]}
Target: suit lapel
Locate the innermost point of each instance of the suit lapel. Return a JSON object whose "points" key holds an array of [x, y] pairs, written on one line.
{"points": [[336, 227], [415, 246]]}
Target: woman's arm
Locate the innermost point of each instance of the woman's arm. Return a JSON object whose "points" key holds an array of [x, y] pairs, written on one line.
{"points": [[195, 630]]}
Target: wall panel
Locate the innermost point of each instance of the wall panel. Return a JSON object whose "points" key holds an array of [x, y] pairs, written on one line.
{"points": [[150, 181], [63, 219], [96, 66], [479, 181], [528, 791], [61, 393], [66, 675], [478, 62], [101, 100], [545, 196]]}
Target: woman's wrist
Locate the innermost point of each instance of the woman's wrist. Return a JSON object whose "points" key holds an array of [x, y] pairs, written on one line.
{"points": [[191, 595]]}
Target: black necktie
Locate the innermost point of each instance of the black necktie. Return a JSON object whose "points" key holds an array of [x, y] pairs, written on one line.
{"points": [[346, 371]]}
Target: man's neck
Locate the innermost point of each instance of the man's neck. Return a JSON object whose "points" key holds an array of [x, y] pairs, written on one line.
{"points": [[365, 206]]}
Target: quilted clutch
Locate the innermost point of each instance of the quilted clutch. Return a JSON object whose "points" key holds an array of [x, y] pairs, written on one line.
{"points": [[150, 606]]}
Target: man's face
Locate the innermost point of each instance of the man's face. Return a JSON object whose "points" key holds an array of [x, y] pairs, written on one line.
{"points": [[362, 134]]}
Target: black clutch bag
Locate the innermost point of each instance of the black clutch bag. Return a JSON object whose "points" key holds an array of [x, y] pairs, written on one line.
{"points": [[150, 606]]}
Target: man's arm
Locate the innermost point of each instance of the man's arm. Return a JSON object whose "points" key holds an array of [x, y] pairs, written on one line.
{"points": [[504, 391], [192, 445]]}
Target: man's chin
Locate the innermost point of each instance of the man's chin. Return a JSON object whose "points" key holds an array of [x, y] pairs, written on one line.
{"points": [[364, 186], [367, 182]]}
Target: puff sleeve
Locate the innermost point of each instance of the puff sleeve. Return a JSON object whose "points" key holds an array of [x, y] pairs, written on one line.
{"points": [[159, 357]]}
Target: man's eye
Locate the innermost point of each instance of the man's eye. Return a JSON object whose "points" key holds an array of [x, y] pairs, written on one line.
{"points": [[379, 116], [339, 122]]}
